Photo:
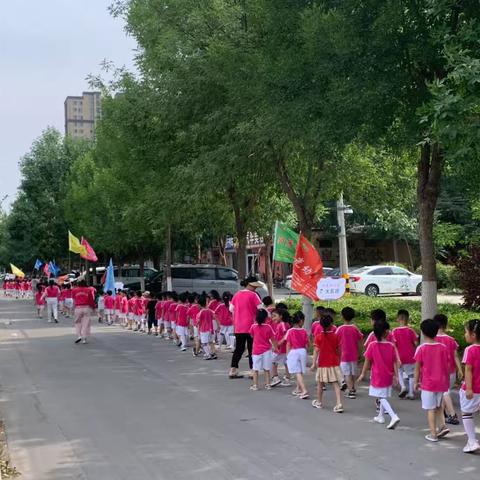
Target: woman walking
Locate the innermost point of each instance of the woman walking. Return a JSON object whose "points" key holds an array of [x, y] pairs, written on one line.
{"points": [[244, 306], [84, 301], [52, 295]]}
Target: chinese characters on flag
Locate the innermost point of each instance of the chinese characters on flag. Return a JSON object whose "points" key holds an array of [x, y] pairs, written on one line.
{"points": [[307, 269]]}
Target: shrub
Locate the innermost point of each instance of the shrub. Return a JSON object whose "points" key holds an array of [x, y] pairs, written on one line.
{"points": [[447, 277], [363, 305], [469, 274]]}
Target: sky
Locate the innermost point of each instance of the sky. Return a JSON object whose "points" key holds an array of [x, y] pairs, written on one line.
{"points": [[47, 49]]}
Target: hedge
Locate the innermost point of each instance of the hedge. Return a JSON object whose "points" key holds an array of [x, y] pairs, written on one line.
{"points": [[363, 305]]}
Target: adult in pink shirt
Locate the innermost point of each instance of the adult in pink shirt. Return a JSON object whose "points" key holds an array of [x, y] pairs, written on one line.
{"points": [[52, 296], [244, 306], [84, 301]]}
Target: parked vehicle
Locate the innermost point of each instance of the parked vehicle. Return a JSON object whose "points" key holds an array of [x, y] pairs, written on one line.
{"points": [[327, 272], [195, 278], [382, 279], [127, 274]]}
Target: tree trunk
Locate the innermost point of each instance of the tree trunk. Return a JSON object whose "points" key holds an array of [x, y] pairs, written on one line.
{"points": [[223, 255], [268, 264], [168, 259], [141, 264], [428, 190], [241, 232]]}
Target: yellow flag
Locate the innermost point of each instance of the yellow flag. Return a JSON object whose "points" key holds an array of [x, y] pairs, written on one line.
{"points": [[74, 244], [16, 271]]}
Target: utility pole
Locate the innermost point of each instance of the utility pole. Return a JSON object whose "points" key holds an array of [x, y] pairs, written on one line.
{"points": [[342, 209]]}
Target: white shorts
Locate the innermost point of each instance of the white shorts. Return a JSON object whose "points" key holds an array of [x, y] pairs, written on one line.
{"points": [[196, 334], [122, 315], [69, 302], [182, 330], [61, 303], [263, 361], [279, 358], [407, 370], [109, 311], [130, 316], [469, 406], [167, 324], [205, 337], [380, 392], [174, 326], [297, 360], [431, 400], [138, 318], [349, 368], [226, 330]]}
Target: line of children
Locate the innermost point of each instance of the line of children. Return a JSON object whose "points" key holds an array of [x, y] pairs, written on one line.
{"points": [[390, 356]]}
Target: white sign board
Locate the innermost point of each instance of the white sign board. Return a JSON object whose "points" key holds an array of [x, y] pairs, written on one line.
{"points": [[331, 288]]}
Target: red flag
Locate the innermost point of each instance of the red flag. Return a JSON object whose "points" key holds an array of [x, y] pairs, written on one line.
{"points": [[307, 269], [91, 256], [46, 271]]}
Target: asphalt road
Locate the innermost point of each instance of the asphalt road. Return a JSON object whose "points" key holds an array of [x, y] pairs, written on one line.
{"points": [[130, 406]]}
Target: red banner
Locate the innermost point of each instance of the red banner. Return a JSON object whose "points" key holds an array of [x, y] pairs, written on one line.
{"points": [[91, 256], [307, 269]]}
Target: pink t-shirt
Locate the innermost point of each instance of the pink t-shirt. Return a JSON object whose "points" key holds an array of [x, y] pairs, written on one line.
{"points": [[471, 357], [223, 315], [193, 312], [158, 310], [205, 320], [297, 338], [39, 299], [316, 328], [131, 304], [405, 339], [349, 336], [213, 305], [172, 308], [433, 360], [182, 319], [166, 304], [262, 334], [109, 302], [382, 356], [245, 305], [280, 330], [52, 292], [118, 302], [371, 338], [452, 347], [124, 304], [139, 308]]}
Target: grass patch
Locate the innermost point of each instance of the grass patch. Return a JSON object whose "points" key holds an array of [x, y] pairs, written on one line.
{"points": [[363, 305]]}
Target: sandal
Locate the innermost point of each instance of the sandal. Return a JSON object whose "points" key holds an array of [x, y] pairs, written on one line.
{"points": [[268, 387], [304, 396], [338, 408], [254, 388], [317, 404], [296, 393]]}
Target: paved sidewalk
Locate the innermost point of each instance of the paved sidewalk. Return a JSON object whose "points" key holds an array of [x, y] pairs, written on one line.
{"points": [[131, 406]]}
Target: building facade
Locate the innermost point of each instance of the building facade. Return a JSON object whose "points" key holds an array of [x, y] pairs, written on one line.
{"points": [[82, 114]]}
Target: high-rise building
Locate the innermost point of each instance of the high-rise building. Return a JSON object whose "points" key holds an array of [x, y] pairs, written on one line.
{"points": [[82, 114]]}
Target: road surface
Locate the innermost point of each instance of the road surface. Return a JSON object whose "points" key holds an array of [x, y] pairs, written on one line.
{"points": [[130, 406]]}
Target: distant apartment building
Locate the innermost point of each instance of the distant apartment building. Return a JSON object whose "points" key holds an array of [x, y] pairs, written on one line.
{"points": [[82, 114]]}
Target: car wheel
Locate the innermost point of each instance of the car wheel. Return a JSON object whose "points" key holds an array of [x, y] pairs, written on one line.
{"points": [[372, 290], [419, 289]]}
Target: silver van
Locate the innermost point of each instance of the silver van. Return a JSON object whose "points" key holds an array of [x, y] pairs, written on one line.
{"points": [[195, 278]]}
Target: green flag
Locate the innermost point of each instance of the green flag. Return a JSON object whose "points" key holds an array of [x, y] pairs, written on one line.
{"points": [[285, 243]]}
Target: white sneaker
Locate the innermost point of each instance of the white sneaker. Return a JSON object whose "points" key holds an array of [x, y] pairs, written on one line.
{"points": [[286, 382], [183, 349], [275, 381], [471, 447], [393, 422], [410, 396], [84, 340], [379, 419]]}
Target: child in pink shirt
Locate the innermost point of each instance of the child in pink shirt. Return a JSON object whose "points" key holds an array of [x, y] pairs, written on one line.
{"points": [[192, 314], [109, 303], [315, 327], [470, 391], [263, 341], [182, 321], [381, 355], [225, 322], [377, 315], [39, 301], [205, 329], [350, 340], [454, 366], [406, 341], [297, 346], [431, 375], [280, 325]]}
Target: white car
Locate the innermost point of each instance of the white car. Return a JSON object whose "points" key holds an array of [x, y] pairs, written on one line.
{"points": [[382, 279]]}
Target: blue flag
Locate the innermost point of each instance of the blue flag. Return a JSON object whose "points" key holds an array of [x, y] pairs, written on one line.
{"points": [[110, 279], [53, 268], [38, 264]]}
